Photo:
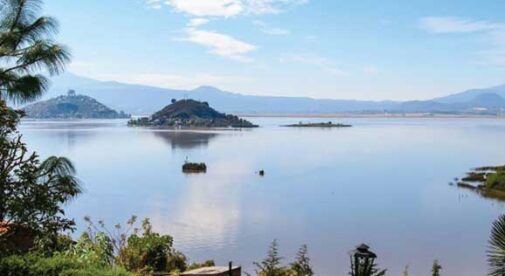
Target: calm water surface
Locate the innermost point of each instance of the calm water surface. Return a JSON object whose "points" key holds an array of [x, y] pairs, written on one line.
{"points": [[384, 182]]}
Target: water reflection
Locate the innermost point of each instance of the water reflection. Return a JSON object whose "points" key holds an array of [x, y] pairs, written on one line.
{"points": [[207, 215], [186, 139]]}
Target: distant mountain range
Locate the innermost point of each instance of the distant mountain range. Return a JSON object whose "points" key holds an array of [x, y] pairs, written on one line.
{"points": [[141, 99]]}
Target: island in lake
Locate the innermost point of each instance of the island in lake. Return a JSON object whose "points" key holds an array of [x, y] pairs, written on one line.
{"points": [[488, 181], [191, 114], [72, 106], [319, 124]]}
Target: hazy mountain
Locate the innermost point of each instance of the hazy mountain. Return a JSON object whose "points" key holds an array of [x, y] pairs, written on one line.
{"points": [[137, 99], [469, 95], [142, 99]]}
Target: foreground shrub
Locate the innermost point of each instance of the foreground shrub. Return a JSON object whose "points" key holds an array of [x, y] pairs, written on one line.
{"points": [[59, 264], [96, 250], [146, 252]]}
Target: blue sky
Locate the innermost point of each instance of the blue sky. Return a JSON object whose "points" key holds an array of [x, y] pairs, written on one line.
{"points": [[316, 48]]}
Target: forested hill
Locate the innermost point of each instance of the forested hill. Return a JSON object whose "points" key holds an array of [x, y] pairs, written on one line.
{"points": [[71, 106]]}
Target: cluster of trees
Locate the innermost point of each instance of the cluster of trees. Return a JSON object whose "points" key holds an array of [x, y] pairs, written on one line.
{"points": [[272, 264]]}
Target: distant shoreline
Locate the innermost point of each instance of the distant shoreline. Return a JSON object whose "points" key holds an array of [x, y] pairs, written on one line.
{"points": [[315, 115], [371, 115]]}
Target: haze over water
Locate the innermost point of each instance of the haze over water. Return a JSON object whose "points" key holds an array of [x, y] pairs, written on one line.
{"points": [[383, 182]]}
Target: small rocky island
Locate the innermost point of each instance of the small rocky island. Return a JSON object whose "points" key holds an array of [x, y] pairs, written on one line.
{"points": [[488, 181], [319, 124], [194, 167], [191, 114], [72, 106]]}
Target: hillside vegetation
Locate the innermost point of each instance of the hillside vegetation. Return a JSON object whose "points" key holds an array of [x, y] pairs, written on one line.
{"points": [[191, 113], [71, 106]]}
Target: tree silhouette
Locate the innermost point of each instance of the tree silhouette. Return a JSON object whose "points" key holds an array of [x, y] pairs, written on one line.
{"points": [[496, 252], [302, 265], [27, 50]]}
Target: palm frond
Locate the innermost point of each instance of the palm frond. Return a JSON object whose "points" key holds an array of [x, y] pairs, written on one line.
{"points": [[20, 90], [48, 56], [58, 165], [496, 251], [19, 11], [26, 50]]}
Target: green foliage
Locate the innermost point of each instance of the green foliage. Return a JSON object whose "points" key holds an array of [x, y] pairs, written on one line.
{"points": [[148, 251], [496, 251], [97, 250], [59, 264], [199, 265], [32, 192], [27, 49], [271, 265], [140, 251], [176, 261], [302, 265], [435, 269], [496, 180]]}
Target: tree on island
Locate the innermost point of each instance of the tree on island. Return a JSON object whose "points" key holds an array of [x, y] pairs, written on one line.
{"points": [[32, 191]]}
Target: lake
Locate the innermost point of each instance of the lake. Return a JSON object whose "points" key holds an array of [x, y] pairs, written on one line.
{"points": [[383, 182]]}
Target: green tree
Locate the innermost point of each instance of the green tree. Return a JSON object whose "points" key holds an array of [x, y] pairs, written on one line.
{"points": [[32, 192], [496, 252], [27, 50], [93, 250], [302, 265], [149, 251], [435, 269], [271, 265]]}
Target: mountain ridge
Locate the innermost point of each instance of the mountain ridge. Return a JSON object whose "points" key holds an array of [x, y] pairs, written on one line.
{"points": [[145, 99]]}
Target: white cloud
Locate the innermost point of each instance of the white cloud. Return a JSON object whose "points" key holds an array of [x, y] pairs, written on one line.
{"points": [[225, 8], [456, 25], [154, 4], [265, 28], [315, 60], [220, 44], [494, 32], [195, 22], [269, 6]]}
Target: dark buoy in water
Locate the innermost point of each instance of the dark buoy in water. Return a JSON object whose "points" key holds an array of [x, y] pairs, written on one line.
{"points": [[261, 172]]}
